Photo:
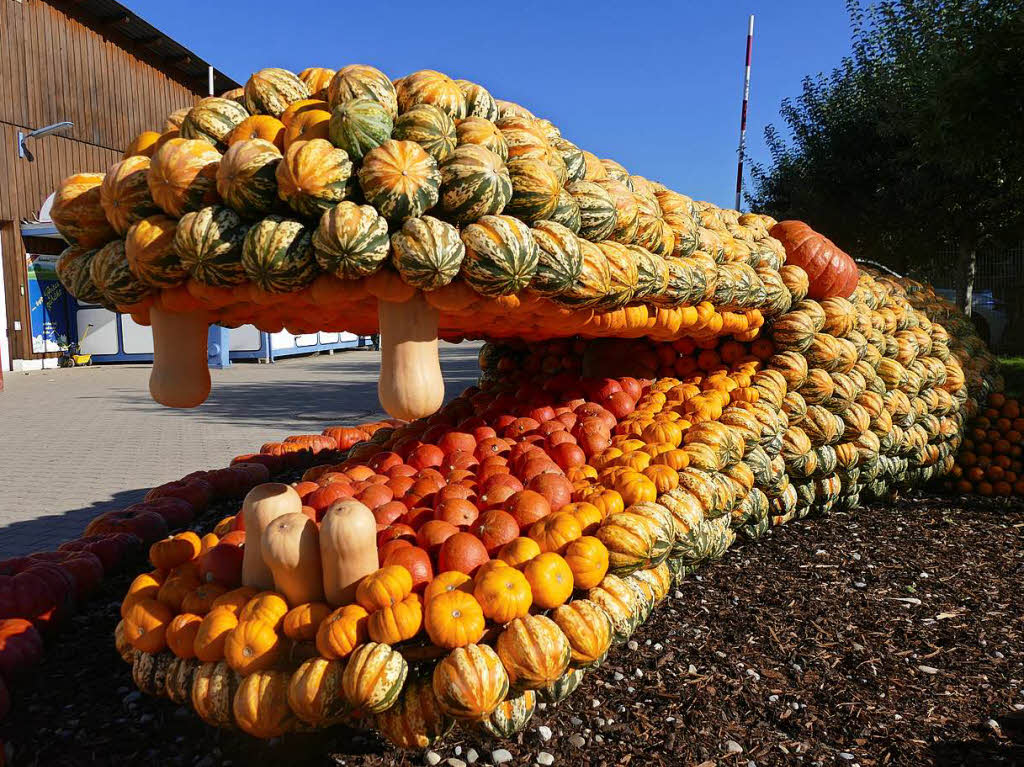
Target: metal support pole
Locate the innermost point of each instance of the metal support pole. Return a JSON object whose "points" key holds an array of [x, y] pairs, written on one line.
{"points": [[743, 114]]}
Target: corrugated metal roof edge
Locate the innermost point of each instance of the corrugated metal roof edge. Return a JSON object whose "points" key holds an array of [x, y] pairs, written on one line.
{"points": [[184, 65]]}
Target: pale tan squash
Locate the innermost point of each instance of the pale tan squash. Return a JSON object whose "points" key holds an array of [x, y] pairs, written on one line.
{"points": [[348, 549], [261, 506], [291, 549], [410, 385], [180, 376]]}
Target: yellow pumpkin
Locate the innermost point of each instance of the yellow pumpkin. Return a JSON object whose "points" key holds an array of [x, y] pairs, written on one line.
{"points": [[503, 594], [587, 558]]}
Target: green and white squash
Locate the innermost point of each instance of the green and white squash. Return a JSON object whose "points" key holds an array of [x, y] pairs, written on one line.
{"points": [[373, 678], [212, 119], [429, 127], [113, 278], [474, 183], [572, 156], [559, 261], [511, 716], [209, 243], [277, 255], [351, 241], [271, 90], [652, 272], [73, 273], [359, 125], [124, 193], [535, 189], [477, 130], [427, 252], [594, 280], [400, 180], [501, 255], [567, 212], [525, 138], [563, 687], [314, 176], [358, 81], [430, 87], [479, 101], [597, 209], [627, 212], [247, 177]]}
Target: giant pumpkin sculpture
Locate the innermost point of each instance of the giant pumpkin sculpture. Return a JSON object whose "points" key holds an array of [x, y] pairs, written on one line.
{"points": [[661, 376]]}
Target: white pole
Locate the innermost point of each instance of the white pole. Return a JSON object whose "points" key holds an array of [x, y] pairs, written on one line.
{"points": [[210, 75], [743, 114]]}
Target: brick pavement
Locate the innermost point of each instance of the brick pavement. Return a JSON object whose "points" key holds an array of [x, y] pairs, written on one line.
{"points": [[75, 443]]}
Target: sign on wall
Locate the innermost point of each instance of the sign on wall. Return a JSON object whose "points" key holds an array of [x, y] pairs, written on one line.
{"points": [[48, 305]]}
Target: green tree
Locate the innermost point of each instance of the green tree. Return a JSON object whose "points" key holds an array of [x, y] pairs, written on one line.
{"points": [[915, 142]]}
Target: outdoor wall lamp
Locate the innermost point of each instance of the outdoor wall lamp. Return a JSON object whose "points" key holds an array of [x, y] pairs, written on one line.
{"points": [[24, 137]]}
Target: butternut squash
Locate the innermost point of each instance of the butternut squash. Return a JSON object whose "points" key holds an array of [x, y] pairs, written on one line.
{"points": [[180, 376], [261, 506], [410, 385], [348, 549], [291, 549]]}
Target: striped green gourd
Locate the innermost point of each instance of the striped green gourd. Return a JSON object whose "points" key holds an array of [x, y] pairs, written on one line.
{"points": [[429, 127], [277, 255], [501, 255], [113, 278], [212, 119], [559, 260], [73, 273], [247, 177], [351, 241], [597, 209], [427, 252], [270, 91], [474, 183], [400, 180], [359, 125], [535, 189], [209, 243]]}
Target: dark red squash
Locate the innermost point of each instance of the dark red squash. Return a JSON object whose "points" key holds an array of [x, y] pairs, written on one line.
{"points": [[830, 270], [21, 647]]}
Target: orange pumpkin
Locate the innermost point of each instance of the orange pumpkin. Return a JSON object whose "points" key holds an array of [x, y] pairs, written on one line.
{"points": [[183, 176], [253, 646], [555, 531], [146, 625], [384, 588], [550, 580], [607, 501], [177, 550], [213, 632], [519, 551], [174, 590], [181, 634], [308, 125], [454, 619], [302, 622], [587, 514], [676, 459], [587, 558], [200, 600], [450, 580], [503, 594], [235, 599], [258, 126], [145, 586], [664, 477], [398, 622], [267, 606], [342, 631]]}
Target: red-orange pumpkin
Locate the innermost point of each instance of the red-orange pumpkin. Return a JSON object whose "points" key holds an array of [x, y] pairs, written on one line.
{"points": [[830, 271]]}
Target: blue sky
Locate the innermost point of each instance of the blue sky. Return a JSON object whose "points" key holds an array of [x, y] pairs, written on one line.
{"points": [[654, 85]]}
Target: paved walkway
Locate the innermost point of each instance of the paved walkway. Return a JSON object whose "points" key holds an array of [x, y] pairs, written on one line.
{"points": [[75, 443]]}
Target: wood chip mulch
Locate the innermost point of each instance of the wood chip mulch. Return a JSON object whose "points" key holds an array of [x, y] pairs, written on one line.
{"points": [[887, 636]]}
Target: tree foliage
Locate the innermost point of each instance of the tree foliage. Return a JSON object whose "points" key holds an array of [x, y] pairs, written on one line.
{"points": [[916, 141]]}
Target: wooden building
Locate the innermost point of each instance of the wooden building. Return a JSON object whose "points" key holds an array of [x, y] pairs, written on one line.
{"points": [[98, 65]]}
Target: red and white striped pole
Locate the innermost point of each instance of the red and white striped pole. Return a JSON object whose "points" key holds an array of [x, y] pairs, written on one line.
{"points": [[743, 115]]}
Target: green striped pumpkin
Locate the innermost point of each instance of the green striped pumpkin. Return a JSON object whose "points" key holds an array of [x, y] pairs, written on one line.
{"points": [[358, 81], [654, 234], [562, 687], [477, 130], [512, 109], [277, 255], [597, 209], [124, 193], [113, 278], [559, 262], [73, 273], [430, 87], [474, 183], [415, 721], [149, 248], [400, 180], [501, 256], [359, 125], [212, 119], [247, 177], [511, 716], [572, 156], [620, 604], [535, 189], [623, 273], [479, 101], [429, 127], [627, 212], [373, 678], [271, 90], [209, 243], [567, 212], [427, 252], [652, 272], [594, 280], [525, 138], [314, 176], [351, 241], [615, 171]]}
